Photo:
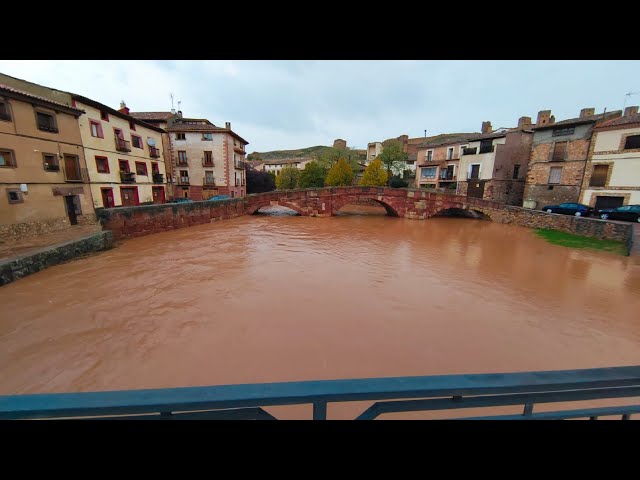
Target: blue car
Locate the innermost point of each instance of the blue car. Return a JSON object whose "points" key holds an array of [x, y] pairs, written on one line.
{"points": [[218, 197], [630, 213], [577, 209], [181, 200]]}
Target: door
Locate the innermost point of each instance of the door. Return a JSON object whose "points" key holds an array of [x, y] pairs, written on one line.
{"points": [[158, 194], [71, 168], [70, 205], [608, 202], [475, 188], [107, 198], [129, 196], [449, 174]]}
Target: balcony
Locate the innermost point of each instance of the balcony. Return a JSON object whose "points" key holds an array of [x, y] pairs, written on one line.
{"points": [[127, 177], [207, 163], [158, 178], [237, 182], [488, 149], [48, 128], [447, 177], [182, 180], [122, 145], [73, 173], [469, 151], [239, 164], [238, 150], [182, 162], [154, 152], [210, 182]]}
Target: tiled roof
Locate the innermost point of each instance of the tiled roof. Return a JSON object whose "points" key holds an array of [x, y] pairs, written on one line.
{"points": [[151, 115], [446, 141], [286, 161], [621, 121], [113, 111], [486, 136], [181, 125], [8, 88], [577, 121]]}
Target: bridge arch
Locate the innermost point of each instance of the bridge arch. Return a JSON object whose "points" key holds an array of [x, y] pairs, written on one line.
{"points": [[253, 209], [340, 202], [462, 211]]}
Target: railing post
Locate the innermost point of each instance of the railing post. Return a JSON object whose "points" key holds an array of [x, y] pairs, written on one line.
{"points": [[319, 410], [528, 409]]}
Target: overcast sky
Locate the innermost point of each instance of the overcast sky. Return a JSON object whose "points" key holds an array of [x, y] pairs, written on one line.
{"points": [[279, 105]]}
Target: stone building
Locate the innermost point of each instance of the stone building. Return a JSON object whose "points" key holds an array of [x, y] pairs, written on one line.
{"points": [[437, 163], [207, 160], [559, 153], [43, 173], [612, 173], [493, 164]]}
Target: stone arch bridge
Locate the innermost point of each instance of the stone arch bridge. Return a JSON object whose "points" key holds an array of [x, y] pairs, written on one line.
{"points": [[398, 202]]}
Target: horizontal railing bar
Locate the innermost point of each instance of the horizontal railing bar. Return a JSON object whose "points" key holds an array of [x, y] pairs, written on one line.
{"points": [[231, 414], [380, 408], [288, 393], [566, 414]]}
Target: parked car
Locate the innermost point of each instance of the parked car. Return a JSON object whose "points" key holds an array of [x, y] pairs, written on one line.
{"points": [[630, 213], [181, 200], [219, 197], [576, 209]]}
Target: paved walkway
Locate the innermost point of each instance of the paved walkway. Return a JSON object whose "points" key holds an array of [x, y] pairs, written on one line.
{"points": [[25, 246]]}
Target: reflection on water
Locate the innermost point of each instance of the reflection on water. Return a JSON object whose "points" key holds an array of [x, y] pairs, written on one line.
{"points": [[263, 298]]}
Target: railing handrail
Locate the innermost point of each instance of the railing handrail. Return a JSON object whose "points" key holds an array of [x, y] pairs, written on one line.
{"points": [[599, 382]]}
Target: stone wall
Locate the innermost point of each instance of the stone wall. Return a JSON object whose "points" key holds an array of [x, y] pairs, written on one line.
{"points": [[588, 227], [23, 265], [15, 231]]}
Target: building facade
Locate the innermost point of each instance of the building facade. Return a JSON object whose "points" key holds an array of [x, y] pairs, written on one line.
{"points": [[438, 163], [207, 160], [275, 166], [43, 173], [559, 153], [123, 154], [373, 150], [493, 165], [612, 173]]}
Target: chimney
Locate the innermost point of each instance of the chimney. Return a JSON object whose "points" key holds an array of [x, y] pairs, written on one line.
{"points": [[486, 127], [173, 111], [227, 125], [123, 108], [543, 118], [587, 112], [524, 123], [552, 119], [630, 111], [179, 113]]}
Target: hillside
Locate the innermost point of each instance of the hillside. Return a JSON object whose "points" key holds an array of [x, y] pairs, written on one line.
{"points": [[282, 154]]}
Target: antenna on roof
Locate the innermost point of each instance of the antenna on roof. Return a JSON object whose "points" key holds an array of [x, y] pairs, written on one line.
{"points": [[179, 102], [625, 99], [171, 95]]}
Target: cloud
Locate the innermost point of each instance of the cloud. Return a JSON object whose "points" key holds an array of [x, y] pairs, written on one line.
{"points": [[293, 104]]}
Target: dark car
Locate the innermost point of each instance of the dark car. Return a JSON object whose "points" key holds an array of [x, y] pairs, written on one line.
{"points": [[630, 213], [219, 197], [576, 209], [181, 200]]}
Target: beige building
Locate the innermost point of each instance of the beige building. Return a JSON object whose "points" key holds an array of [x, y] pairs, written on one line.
{"points": [[207, 160], [275, 166], [612, 173], [373, 150], [43, 174], [438, 163], [124, 156]]}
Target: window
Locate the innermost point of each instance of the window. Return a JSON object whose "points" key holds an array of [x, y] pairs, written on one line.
{"points": [[132, 126], [102, 165], [184, 173], [207, 136], [208, 158], [124, 165], [486, 146], [104, 115], [155, 169], [474, 171], [136, 141], [208, 177], [96, 129], [46, 122], [181, 136], [599, 176], [449, 153], [559, 151], [555, 174], [4, 111], [141, 168], [182, 157], [516, 171], [557, 132], [7, 159], [428, 172], [51, 163], [429, 155], [15, 195], [632, 141]]}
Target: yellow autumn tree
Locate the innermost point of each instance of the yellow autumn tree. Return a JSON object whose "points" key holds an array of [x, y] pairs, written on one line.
{"points": [[339, 175], [374, 175]]}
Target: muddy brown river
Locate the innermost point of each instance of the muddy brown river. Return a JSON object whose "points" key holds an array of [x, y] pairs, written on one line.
{"points": [[284, 298]]}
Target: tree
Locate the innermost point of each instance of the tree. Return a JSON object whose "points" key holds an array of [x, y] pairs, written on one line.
{"points": [[330, 157], [374, 175], [393, 158], [258, 182], [313, 175], [288, 178], [340, 174], [398, 182]]}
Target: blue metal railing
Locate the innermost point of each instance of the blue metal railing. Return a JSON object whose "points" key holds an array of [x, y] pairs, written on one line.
{"points": [[400, 394]]}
